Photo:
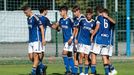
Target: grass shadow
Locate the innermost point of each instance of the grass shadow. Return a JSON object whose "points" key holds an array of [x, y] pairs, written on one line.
{"points": [[56, 74], [23, 74]]}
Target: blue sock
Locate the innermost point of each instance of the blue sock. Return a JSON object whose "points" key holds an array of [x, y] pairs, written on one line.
{"points": [[106, 69], [80, 68], [111, 67], [76, 69], [66, 62], [33, 71], [93, 69], [71, 63], [41, 66], [86, 69]]}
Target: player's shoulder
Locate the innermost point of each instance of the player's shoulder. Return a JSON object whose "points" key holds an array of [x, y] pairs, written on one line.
{"points": [[99, 17], [36, 17], [82, 16], [61, 18], [92, 20], [70, 19]]}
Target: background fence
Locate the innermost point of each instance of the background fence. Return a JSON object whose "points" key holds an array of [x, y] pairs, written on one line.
{"points": [[14, 33]]}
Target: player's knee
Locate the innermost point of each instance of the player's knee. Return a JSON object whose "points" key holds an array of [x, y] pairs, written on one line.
{"points": [[81, 55], [69, 54], [86, 57]]}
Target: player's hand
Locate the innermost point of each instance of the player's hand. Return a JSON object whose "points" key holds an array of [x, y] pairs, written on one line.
{"points": [[69, 41], [43, 42]]}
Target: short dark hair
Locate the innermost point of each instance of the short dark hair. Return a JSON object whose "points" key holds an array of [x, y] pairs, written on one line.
{"points": [[24, 8], [63, 8], [106, 11], [42, 9], [99, 9], [76, 8], [89, 10]]}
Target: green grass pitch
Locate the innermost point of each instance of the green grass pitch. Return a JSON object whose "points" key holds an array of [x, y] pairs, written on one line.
{"points": [[123, 68]]}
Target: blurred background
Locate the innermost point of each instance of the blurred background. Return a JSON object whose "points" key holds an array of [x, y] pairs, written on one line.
{"points": [[14, 28]]}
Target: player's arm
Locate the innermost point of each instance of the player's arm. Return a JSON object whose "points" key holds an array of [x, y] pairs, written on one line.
{"points": [[109, 18], [53, 26], [75, 31], [97, 26], [56, 26], [42, 34], [95, 31]]}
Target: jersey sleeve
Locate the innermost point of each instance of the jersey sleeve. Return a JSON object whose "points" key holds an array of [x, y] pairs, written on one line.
{"points": [[48, 22], [71, 22], [99, 19], [77, 23]]}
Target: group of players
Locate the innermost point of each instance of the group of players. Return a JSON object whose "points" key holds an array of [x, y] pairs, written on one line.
{"points": [[83, 37]]}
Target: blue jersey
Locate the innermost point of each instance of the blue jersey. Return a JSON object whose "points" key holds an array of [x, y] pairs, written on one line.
{"points": [[67, 27], [84, 34], [34, 28], [45, 21], [104, 33], [77, 21]]}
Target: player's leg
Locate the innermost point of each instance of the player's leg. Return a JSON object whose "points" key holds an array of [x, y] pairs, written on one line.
{"points": [[93, 63], [86, 55], [76, 58], [30, 52], [81, 63], [86, 64], [96, 50], [106, 64], [41, 67], [70, 58], [111, 67], [65, 58], [105, 53], [81, 50], [37, 47]]}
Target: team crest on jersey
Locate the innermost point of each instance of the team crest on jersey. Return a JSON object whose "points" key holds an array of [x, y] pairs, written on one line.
{"points": [[66, 22], [91, 25], [84, 23]]}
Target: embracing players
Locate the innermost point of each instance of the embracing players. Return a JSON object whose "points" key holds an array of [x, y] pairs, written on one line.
{"points": [[101, 35]]}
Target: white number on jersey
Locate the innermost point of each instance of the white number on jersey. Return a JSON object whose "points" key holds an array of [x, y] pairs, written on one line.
{"points": [[105, 23]]}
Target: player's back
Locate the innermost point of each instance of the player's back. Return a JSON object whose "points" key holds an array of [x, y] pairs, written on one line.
{"points": [[67, 28], [34, 30], [84, 34], [103, 34], [45, 21]]}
